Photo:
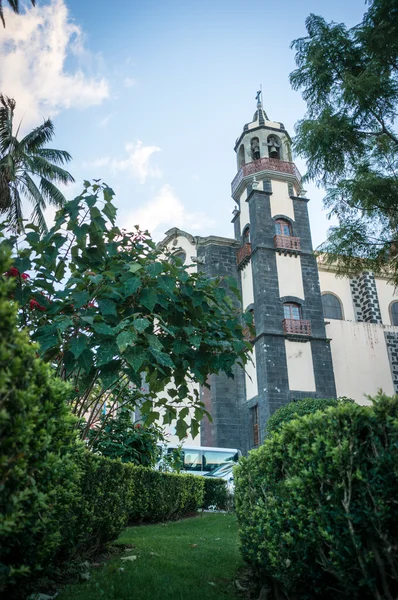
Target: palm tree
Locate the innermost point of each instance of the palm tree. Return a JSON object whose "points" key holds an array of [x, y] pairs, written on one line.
{"points": [[14, 5], [20, 160]]}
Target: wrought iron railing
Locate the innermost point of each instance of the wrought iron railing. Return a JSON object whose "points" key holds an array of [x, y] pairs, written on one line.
{"points": [[287, 242], [296, 326], [264, 164], [243, 254]]}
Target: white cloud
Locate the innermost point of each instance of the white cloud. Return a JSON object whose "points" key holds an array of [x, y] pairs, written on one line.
{"points": [[166, 211], [136, 164], [129, 82], [33, 50]]}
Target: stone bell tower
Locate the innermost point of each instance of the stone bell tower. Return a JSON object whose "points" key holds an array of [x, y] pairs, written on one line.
{"points": [[291, 357]]}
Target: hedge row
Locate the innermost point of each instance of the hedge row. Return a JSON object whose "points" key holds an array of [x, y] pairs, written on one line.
{"points": [[317, 504], [58, 501]]}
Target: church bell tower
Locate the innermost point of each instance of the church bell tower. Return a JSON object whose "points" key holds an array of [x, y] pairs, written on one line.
{"points": [[291, 357]]}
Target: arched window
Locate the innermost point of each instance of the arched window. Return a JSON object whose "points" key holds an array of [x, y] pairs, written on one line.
{"points": [[283, 227], [246, 235], [241, 156], [291, 310], [255, 148], [332, 307], [394, 313], [179, 255], [274, 146]]}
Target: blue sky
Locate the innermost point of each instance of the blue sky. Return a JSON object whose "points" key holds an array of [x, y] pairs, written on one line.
{"points": [[150, 95]]}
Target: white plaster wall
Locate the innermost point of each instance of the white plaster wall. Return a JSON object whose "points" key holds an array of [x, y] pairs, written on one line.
{"points": [[360, 359], [340, 286], [290, 279], [247, 286], [281, 203], [251, 377], [187, 246], [386, 293], [244, 211], [300, 368]]}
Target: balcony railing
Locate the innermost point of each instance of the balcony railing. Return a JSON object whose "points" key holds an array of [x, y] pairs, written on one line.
{"points": [[296, 327], [265, 164], [287, 244], [243, 255]]}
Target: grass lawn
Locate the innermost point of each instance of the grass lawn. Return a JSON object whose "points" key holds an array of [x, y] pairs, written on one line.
{"points": [[193, 559]]}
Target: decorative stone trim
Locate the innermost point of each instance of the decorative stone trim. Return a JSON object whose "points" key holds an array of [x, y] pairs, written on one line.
{"points": [[365, 298], [392, 349]]}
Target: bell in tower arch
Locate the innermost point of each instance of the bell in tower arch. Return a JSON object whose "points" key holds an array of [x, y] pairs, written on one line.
{"points": [[273, 147], [255, 148]]}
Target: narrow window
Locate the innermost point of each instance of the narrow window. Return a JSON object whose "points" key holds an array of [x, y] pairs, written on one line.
{"points": [[241, 155], [246, 235], [274, 146], [332, 307], [292, 311], [255, 425], [283, 227], [255, 148], [394, 313]]}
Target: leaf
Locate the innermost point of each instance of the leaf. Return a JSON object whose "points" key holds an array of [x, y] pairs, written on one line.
{"points": [[110, 210], [132, 285], [106, 353], [104, 329], [124, 339], [107, 307], [135, 357], [141, 324], [77, 345], [148, 298], [86, 360], [162, 358], [134, 267], [46, 341], [155, 268], [80, 299]]}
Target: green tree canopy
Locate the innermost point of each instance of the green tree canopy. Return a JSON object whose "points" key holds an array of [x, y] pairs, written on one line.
{"points": [[109, 307], [23, 160], [348, 78]]}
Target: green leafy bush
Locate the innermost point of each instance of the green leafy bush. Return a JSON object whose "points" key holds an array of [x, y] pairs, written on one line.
{"points": [[157, 496], [317, 504], [119, 437], [294, 410], [38, 449], [216, 493]]}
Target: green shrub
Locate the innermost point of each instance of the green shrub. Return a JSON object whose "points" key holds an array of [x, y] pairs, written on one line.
{"points": [[157, 496], [216, 493], [317, 504], [38, 449], [293, 410]]}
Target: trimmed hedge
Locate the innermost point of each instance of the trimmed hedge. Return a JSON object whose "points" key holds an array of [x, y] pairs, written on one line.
{"points": [[216, 493], [294, 410], [317, 504], [38, 451]]}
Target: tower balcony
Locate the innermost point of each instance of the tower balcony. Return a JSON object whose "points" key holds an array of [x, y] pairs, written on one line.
{"points": [[268, 166], [243, 255], [296, 327], [287, 244]]}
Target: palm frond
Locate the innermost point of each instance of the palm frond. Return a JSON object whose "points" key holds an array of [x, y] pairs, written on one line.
{"points": [[7, 107], [57, 157], [14, 5], [37, 218], [38, 137], [52, 193], [40, 166], [31, 191], [14, 213], [5, 195]]}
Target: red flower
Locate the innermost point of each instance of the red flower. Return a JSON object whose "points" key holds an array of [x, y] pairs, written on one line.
{"points": [[33, 304], [138, 426], [25, 276], [91, 304], [13, 272]]}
